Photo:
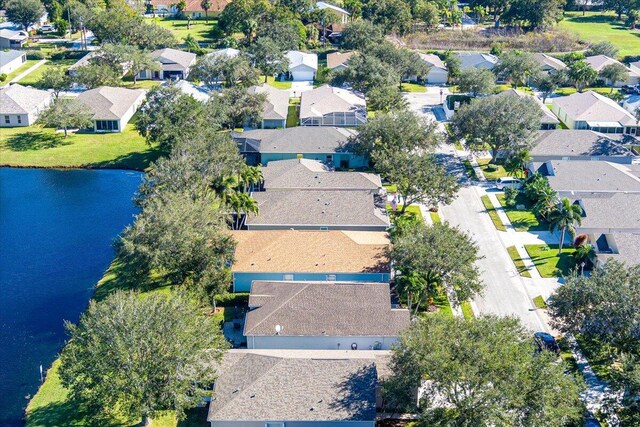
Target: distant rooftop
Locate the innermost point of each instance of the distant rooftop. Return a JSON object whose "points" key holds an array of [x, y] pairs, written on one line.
{"points": [[584, 176], [18, 99], [329, 99], [549, 61], [590, 106], [299, 139], [564, 142]]}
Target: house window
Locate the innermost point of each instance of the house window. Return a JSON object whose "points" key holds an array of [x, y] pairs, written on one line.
{"points": [[273, 424], [19, 119], [7, 119], [287, 277], [331, 277], [106, 125]]}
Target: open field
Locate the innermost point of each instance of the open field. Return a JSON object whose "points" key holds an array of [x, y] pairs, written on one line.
{"points": [[596, 26], [200, 30], [43, 147]]}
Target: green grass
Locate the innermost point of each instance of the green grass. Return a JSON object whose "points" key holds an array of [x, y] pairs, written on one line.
{"points": [[200, 31], [413, 87], [412, 209], [24, 67], [493, 213], [33, 78], [278, 84], [547, 261], [597, 26], [468, 168], [467, 311], [491, 175], [564, 91], [502, 87], [442, 302], [538, 301], [391, 188], [517, 261], [567, 356], [43, 147], [435, 218], [522, 220], [293, 113]]}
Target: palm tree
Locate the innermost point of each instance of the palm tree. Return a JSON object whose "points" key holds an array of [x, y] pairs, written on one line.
{"points": [[517, 162], [564, 217], [250, 175], [547, 199], [206, 5], [242, 204]]}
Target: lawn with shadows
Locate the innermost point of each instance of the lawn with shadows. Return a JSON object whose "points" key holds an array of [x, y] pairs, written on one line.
{"points": [[522, 219], [180, 28], [549, 263]]}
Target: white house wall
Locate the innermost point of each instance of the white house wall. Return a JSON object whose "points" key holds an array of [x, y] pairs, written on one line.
{"points": [[12, 66], [283, 342]]}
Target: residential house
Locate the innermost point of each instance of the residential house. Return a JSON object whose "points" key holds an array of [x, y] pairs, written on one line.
{"points": [[438, 73], [309, 256], [606, 213], [343, 15], [548, 120], [11, 60], [112, 107], [10, 39], [174, 64], [198, 92], [598, 62], [86, 60], [21, 105], [581, 145], [549, 64], [276, 106], [327, 144], [323, 316], [332, 106], [193, 8], [318, 210], [477, 60], [338, 61], [622, 247], [307, 388], [228, 52], [307, 174], [635, 66], [590, 110], [302, 66]]}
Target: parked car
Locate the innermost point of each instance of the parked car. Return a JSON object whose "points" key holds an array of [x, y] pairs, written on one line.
{"points": [[508, 182], [546, 341], [47, 28]]}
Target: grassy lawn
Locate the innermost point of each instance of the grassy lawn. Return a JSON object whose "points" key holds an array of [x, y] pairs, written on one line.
{"points": [[43, 147], [435, 218], [522, 220], [491, 175], [391, 188], [24, 67], [467, 311], [539, 302], [564, 91], [596, 26], [493, 213], [412, 209], [468, 168], [293, 114], [201, 31], [547, 261], [413, 87], [442, 302], [278, 84], [140, 84], [517, 261], [33, 78]]}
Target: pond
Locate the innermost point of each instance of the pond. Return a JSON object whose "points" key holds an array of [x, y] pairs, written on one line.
{"points": [[56, 233]]}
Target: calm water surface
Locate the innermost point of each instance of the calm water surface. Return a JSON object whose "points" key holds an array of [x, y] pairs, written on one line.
{"points": [[56, 234]]}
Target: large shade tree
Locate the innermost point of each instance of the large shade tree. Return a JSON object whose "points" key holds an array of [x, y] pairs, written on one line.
{"points": [[476, 81], [24, 12], [65, 114]]}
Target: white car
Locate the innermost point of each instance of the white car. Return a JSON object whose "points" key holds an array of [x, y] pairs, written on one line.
{"points": [[47, 28], [508, 182]]}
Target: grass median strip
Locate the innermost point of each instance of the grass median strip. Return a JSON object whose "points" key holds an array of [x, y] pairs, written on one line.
{"points": [[518, 262], [539, 302], [493, 213], [467, 311], [468, 167]]}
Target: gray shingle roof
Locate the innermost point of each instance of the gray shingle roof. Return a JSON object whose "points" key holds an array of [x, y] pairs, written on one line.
{"points": [[562, 142], [592, 107], [613, 212], [276, 107], [584, 176], [255, 386], [328, 99], [299, 139], [549, 61], [318, 208], [628, 248], [168, 56], [547, 118], [18, 99], [476, 60], [110, 103], [323, 309], [314, 175], [9, 56]]}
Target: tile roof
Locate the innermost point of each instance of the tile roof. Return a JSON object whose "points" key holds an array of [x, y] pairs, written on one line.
{"points": [[297, 58], [323, 309], [110, 103], [338, 58], [328, 99], [543, 59], [590, 106], [299, 139], [297, 251], [610, 212], [9, 56], [321, 208], [18, 99], [547, 118], [168, 56], [307, 174], [584, 176], [296, 386], [562, 142], [277, 104]]}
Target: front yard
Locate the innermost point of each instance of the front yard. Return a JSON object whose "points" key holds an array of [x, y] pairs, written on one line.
{"points": [[493, 172], [522, 219], [548, 262]]}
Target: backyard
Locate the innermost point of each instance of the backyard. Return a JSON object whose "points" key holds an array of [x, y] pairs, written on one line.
{"points": [[200, 30], [44, 147], [548, 262], [33, 77]]}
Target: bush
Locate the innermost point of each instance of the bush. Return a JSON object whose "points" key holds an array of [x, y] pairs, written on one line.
{"points": [[491, 167], [58, 55], [510, 196], [35, 54], [3, 77], [233, 299]]}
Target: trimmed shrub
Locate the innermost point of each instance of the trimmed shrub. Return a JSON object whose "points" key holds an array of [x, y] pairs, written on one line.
{"points": [[35, 54], [3, 77], [233, 299]]}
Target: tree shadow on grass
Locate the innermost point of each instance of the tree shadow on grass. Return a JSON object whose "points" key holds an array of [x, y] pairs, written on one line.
{"points": [[134, 161], [35, 141], [69, 412]]}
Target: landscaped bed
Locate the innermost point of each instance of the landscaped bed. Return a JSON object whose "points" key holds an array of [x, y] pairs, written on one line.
{"points": [[522, 219], [493, 213], [491, 175], [548, 262]]}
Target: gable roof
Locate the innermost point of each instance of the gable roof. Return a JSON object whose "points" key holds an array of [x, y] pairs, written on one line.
{"points": [[267, 385], [10, 56], [276, 107], [8, 34], [598, 62], [475, 59], [336, 59], [323, 309], [297, 251], [174, 56], [329, 99], [547, 118], [590, 106], [545, 60], [560, 142], [299, 139], [628, 248], [307, 174], [297, 59], [110, 103], [432, 60], [610, 212], [584, 176], [318, 208], [18, 99], [229, 52]]}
